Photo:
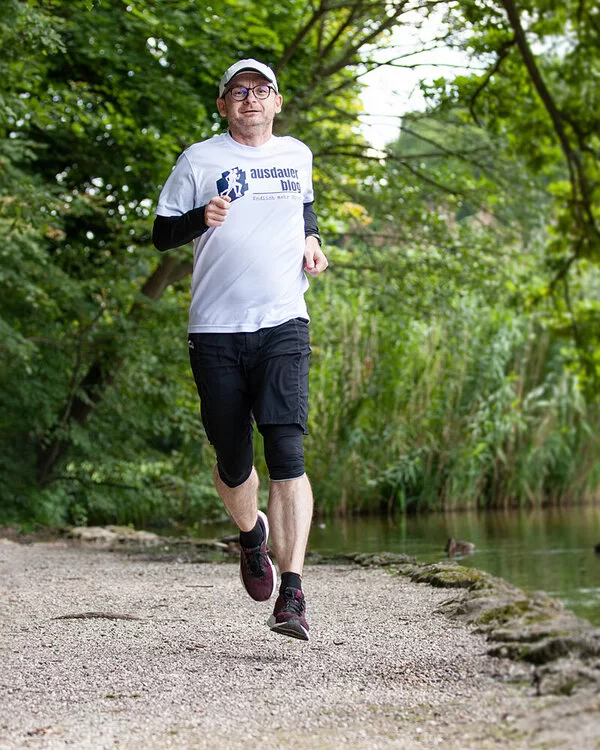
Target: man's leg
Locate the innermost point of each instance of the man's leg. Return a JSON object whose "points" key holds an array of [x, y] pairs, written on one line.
{"points": [[281, 410], [290, 511], [241, 501], [290, 516], [256, 567], [227, 418]]}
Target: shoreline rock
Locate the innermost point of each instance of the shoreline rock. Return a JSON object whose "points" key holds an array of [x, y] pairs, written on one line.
{"points": [[563, 649]]}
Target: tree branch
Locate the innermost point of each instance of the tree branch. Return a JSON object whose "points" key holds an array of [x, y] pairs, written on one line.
{"points": [[580, 191], [502, 53], [291, 49]]}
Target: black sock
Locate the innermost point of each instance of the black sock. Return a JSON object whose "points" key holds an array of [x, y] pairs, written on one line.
{"points": [[291, 581], [254, 537]]}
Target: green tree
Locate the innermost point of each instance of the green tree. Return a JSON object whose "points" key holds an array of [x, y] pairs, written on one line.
{"points": [[535, 95], [98, 414], [97, 101]]}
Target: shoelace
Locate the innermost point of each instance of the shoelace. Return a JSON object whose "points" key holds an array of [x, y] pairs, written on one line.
{"points": [[293, 603], [254, 560]]}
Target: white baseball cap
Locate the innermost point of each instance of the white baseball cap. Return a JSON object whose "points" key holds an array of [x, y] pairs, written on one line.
{"points": [[248, 64]]}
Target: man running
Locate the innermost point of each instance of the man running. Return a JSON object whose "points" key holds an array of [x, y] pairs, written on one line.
{"points": [[248, 324]]}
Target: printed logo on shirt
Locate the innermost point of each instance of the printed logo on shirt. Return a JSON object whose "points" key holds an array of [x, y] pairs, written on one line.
{"points": [[232, 184], [285, 185], [264, 174]]}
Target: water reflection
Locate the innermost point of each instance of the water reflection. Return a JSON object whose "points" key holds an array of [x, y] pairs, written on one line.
{"points": [[548, 549]]}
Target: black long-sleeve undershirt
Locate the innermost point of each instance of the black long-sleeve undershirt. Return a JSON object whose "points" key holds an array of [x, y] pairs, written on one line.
{"points": [[174, 231], [311, 227]]}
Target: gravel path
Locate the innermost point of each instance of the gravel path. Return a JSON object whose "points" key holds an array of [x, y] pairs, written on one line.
{"points": [[200, 669]]}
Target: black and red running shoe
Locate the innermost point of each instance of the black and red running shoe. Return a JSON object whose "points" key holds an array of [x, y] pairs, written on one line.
{"points": [[256, 568], [289, 615]]}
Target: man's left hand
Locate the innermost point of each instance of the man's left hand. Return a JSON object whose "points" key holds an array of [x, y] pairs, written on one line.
{"points": [[315, 261]]}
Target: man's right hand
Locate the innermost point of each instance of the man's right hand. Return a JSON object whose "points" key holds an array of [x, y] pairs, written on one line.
{"points": [[215, 211]]}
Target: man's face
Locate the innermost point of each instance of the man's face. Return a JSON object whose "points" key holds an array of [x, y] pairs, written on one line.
{"points": [[251, 115]]}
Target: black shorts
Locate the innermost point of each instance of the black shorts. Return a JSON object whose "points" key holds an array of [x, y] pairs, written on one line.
{"points": [[242, 377]]}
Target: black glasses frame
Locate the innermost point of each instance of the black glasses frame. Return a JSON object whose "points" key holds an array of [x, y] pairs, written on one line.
{"points": [[248, 89]]}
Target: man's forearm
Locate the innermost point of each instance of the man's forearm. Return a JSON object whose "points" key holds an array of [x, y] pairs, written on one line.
{"points": [[174, 231], [311, 227]]}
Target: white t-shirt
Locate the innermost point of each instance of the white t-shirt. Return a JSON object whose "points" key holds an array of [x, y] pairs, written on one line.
{"points": [[248, 274]]}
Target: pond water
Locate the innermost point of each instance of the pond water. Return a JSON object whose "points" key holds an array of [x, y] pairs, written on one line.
{"points": [[547, 549]]}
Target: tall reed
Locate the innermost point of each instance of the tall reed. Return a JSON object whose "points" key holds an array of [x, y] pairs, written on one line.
{"points": [[477, 409]]}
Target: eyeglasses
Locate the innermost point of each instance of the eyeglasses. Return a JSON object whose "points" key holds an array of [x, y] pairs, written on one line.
{"points": [[239, 93]]}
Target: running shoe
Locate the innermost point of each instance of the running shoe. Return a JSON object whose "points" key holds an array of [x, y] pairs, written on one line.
{"points": [[289, 615], [256, 568]]}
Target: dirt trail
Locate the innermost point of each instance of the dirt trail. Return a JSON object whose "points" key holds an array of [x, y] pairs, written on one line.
{"points": [[384, 668]]}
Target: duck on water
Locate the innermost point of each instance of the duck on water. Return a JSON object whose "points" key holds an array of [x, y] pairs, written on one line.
{"points": [[456, 547]]}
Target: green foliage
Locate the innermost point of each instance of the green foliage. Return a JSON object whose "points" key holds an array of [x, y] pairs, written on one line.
{"points": [[99, 417], [477, 409], [535, 94], [455, 338]]}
